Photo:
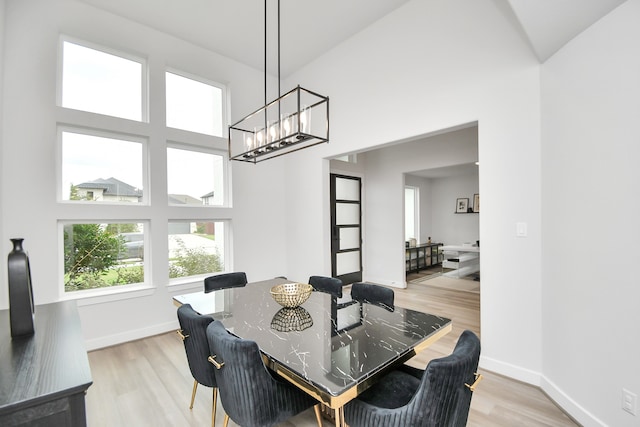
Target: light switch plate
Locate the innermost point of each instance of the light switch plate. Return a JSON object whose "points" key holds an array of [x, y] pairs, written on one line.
{"points": [[521, 229]]}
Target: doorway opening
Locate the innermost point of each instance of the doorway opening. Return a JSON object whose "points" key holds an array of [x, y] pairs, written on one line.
{"points": [[442, 166]]}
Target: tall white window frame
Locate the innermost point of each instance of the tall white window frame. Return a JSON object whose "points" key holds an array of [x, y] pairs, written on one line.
{"points": [[155, 212]]}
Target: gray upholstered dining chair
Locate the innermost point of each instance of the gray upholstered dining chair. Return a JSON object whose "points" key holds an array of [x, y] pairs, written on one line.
{"points": [[193, 331], [252, 396], [439, 396], [373, 294], [225, 281], [330, 285]]}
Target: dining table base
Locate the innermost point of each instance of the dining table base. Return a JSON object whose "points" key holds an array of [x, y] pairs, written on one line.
{"points": [[334, 415]]}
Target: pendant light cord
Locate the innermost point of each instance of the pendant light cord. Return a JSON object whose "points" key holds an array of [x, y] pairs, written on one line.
{"points": [[279, 92], [265, 52], [265, 58]]}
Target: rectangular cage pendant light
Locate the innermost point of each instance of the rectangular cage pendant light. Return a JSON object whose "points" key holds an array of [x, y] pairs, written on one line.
{"points": [[296, 120]]}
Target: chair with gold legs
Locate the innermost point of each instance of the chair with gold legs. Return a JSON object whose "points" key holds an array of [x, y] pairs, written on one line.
{"points": [[252, 395], [193, 331], [439, 396]]}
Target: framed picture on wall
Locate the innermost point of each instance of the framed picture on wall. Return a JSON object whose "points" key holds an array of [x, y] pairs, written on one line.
{"points": [[476, 203], [462, 205]]}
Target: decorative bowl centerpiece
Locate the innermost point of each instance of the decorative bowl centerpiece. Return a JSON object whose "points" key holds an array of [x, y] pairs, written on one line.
{"points": [[291, 294]]}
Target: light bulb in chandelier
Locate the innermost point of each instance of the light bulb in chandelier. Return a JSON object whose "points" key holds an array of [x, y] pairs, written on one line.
{"points": [[259, 138], [273, 131], [286, 125], [304, 120], [248, 142]]}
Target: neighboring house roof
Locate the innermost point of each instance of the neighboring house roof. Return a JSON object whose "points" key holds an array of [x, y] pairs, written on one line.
{"points": [[209, 194], [112, 187], [183, 199]]}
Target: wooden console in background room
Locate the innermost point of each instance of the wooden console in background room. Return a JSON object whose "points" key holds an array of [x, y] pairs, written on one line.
{"points": [[44, 377], [464, 260]]}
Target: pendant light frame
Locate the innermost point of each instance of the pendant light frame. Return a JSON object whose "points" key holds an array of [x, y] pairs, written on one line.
{"points": [[296, 120]]}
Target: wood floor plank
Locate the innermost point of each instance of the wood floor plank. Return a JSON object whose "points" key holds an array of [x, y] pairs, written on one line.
{"points": [[148, 382]]}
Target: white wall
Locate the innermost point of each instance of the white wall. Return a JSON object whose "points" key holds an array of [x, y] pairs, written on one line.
{"points": [[590, 152], [29, 163], [438, 219], [426, 67], [449, 227]]}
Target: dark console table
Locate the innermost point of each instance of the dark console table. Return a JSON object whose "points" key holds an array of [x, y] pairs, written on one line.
{"points": [[44, 377], [422, 256]]}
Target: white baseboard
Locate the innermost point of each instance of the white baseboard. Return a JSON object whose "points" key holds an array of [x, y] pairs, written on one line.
{"points": [[568, 405], [512, 371], [132, 335]]}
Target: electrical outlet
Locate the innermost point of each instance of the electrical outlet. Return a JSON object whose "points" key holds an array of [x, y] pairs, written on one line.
{"points": [[629, 401]]}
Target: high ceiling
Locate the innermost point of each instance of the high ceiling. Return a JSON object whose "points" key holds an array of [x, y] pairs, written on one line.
{"points": [[235, 28]]}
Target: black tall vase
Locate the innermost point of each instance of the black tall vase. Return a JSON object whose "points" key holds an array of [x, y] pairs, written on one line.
{"points": [[20, 292]]}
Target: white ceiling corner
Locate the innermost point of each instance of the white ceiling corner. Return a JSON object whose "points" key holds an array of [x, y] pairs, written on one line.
{"points": [[550, 24]]}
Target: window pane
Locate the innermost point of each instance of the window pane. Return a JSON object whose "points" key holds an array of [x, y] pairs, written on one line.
{"points": [[347, 189], [347, 213], [347, 262], [102, 83], [194, 177], [102, 255], [410, 213], [193, 105], [100, 169], [195, 248], [349, 238]]}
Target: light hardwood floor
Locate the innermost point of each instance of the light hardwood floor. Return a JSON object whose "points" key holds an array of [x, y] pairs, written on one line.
{"points": [[148, 383]]}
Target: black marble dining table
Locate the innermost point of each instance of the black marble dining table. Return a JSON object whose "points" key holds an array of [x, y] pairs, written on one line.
{"points": [[332, 348]]}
